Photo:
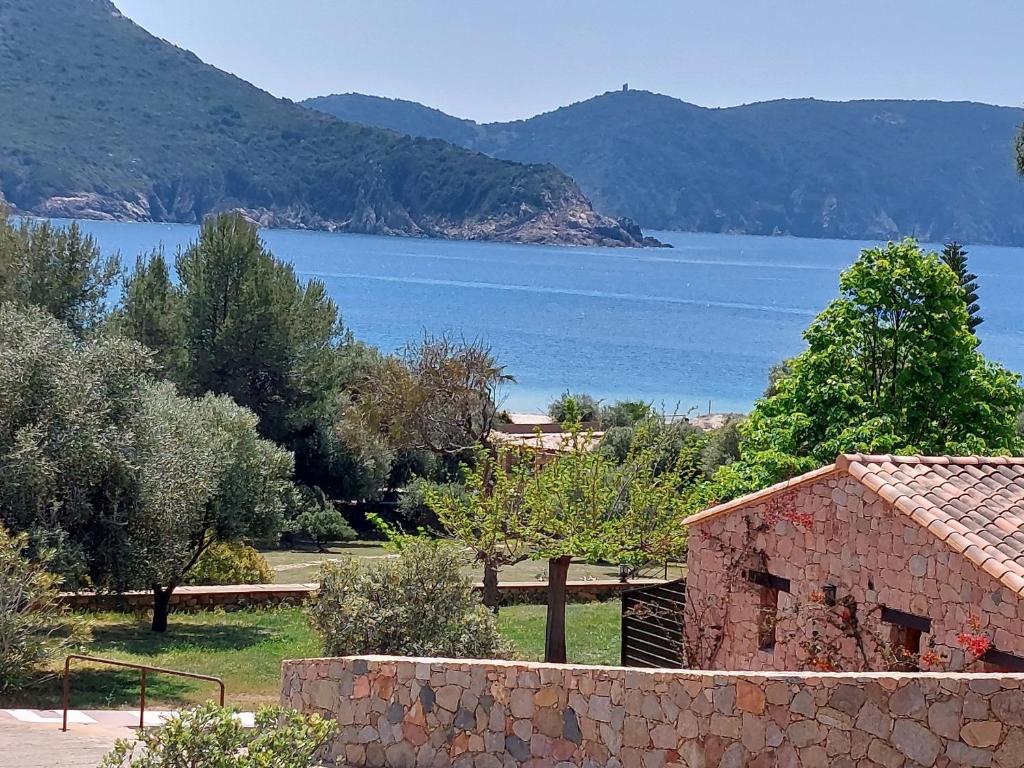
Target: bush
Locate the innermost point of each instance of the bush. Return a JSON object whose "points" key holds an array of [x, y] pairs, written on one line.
{"points": [[211, 737], [230, 563], [34, 626], [417, 604], [314, 517]]}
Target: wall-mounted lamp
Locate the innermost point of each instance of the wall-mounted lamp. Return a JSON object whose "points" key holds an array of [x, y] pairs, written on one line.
{"points": [[829, 590]]}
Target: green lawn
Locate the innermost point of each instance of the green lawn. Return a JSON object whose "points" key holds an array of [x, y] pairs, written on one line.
{"points": [[246, 648], [298, 566]]}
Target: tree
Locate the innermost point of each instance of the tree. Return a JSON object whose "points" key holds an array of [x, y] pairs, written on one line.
{"points": [[240, 323], [440, 395], [128, 480], [206, 476], [583, 504], [891, 367], [954, 256], [58, 269], [151, 312], [253, 332], [64, 403], [488, 513]]}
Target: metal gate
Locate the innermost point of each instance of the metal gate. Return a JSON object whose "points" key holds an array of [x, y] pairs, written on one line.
{"points": [[652, 625]]}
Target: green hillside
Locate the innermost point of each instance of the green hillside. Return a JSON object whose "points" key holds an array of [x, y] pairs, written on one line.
{"points": [[863, 169], [102, 119]]}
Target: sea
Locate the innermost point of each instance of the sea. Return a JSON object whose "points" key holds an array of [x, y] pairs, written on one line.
{"points": [[692, 329]]}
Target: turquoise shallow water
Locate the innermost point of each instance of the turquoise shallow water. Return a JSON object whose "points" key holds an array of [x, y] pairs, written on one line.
{"points": [[703, 321]]}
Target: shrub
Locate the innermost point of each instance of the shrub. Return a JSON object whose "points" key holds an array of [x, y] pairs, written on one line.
{"points": [[211, 737], [314, 517], [230, 563], [34, 626], [417, 604]]}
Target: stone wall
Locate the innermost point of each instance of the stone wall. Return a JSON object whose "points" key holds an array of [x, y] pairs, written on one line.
{"points": [[249, 595], [485, 714], [854, 540]]}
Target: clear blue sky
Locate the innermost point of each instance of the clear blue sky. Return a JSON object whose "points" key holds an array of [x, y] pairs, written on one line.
{"points": [[505, 59]]}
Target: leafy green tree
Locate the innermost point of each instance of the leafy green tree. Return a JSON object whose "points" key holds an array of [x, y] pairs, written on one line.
{"points": [[954, 256], [206, 476], [583, 504], [209, 736], [151, 313], [35, 627], [240, 323], [130, 479], [891, 367], [64, 404], [488, 513], [253, 331], [58, 269], [625, 413]]}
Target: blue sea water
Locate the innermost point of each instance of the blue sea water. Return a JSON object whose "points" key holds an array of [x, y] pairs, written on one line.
{"points": [[696, 326]]}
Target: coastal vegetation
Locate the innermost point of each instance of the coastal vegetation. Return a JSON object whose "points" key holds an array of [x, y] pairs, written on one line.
{"points": [[802, 167], [221, 403], [104, 120]]}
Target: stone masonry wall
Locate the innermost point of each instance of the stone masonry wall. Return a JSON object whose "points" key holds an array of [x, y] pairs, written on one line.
{"points": [[874, 555], [402, 713]]}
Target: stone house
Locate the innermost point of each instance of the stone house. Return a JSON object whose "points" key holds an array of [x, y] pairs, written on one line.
{"points": [[871, 563]]}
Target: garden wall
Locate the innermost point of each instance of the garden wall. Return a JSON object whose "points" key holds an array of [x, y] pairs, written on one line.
{"points": [[487, 714], [248, 595]]}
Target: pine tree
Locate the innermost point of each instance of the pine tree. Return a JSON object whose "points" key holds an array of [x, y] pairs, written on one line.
{"points": [[955, 257]]}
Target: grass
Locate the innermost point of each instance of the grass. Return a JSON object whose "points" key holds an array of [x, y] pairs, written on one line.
{"points": [[299, 566], [592, 631], [245, 648]]}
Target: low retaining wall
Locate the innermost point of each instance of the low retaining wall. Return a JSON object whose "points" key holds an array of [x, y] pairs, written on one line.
{"points": [[248, 595], [485, 714]]}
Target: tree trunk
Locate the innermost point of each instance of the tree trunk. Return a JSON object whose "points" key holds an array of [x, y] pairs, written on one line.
{"points": [[554, 635], [161, 607], [492, 596]]}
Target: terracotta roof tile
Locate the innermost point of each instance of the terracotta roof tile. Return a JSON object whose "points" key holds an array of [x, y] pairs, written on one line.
{"points": [[975, 504]]}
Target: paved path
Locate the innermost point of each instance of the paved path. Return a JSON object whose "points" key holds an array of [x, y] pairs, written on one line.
{"points": [[31, 738]]}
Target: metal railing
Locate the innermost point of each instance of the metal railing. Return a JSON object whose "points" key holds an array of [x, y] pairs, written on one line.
{"points": [[143, 670]]}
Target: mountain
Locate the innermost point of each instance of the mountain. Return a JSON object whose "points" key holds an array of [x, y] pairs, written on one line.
{"points": [[861, 169], [101, 119]]}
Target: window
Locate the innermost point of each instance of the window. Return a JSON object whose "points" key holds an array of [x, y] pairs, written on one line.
{"points": [[906, 638], [769, 587], [905, 634], [767, 618]]}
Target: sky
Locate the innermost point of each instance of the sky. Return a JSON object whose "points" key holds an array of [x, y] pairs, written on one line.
{"points": [[492, 60]]}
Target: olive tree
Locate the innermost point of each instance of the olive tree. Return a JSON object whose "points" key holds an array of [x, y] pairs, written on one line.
{"points": [[206, 476], [126, 479]]}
